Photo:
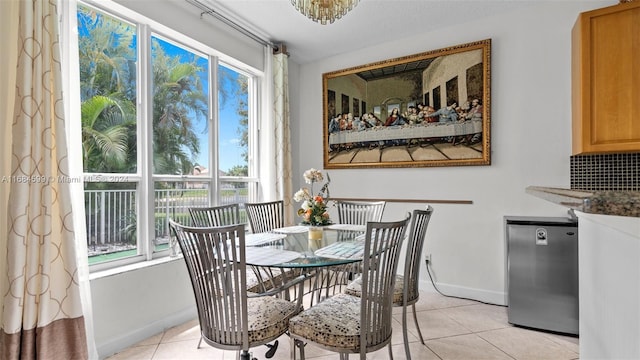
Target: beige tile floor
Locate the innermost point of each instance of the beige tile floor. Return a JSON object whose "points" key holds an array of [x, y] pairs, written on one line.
{"points": [[452, 329]]}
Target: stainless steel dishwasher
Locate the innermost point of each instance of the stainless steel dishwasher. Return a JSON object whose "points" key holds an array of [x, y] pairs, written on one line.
{"points": [[542, 272]]}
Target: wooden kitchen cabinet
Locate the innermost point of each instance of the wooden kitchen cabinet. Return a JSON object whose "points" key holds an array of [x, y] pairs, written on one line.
{"points": [[606, 80]]}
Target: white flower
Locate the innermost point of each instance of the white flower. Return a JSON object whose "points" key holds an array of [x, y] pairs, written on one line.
{"points": [[312, 175], [313, 207], [301, 194]]}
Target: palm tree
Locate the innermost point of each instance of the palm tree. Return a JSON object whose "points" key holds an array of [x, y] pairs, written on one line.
{"points": [[178, 99], [107, 55], [242, 110], [107, 67], [108, 91], [104, 134]]}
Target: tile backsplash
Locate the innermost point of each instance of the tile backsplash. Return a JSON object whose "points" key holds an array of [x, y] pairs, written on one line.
{"points": [[619, 172]]}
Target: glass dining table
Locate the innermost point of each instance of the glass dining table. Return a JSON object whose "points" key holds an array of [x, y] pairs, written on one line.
{"points": [[292, 251], [290, 247]]}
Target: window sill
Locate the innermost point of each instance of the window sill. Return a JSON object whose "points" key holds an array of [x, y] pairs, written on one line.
{"points": [[131, 267]]}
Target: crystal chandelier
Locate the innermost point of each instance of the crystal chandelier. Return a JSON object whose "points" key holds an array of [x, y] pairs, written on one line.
{"points": [[324, 11]]}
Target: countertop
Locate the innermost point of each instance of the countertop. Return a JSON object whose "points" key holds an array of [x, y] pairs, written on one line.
{"points": [[619, 203]]}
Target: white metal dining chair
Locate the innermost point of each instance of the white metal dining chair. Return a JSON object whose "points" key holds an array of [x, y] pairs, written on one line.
{"points": [[265, 216], [406, 291], [352, 213], [357, 213], [258, 279], [230, 317], [219, 215], [349, 324]]}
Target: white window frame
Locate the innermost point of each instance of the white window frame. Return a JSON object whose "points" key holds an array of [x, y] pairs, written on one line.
{"points": [[144, 177]]}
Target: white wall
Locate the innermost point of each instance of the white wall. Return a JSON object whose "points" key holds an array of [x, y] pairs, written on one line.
{"points": [[530, 142], [130, 306]]}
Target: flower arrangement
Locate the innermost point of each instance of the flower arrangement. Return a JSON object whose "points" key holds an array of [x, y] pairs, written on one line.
{"points": [[313, 209]]}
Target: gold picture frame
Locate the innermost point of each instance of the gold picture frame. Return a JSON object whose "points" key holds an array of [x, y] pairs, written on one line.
{"points": [[427, 109]]}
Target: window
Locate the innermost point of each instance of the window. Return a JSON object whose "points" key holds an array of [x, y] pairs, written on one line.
{"points": [[157, 114]]}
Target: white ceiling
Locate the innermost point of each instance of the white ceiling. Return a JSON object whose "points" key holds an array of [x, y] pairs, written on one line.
{"points": [[369, 23]]}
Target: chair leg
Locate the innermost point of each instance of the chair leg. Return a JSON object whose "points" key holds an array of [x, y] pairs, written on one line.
{"points": [[405, 334], [391, 352], [415, 319], [292, 349], [199, 342], [244, 355], [297, 344]]}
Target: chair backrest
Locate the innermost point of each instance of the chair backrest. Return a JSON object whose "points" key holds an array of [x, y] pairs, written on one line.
{"points": [[359, 212], [417, 234], [265, 216], [215, 258], [383, 241], [221, 215]]}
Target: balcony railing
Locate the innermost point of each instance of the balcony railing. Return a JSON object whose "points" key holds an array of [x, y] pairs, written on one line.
{"points": [[112, 215]]}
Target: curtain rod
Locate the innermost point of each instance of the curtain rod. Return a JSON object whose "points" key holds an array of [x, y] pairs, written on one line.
{"points": [[209, 11]]}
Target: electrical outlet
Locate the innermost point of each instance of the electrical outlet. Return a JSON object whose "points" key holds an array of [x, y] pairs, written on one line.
{"points": [[428, 258]]}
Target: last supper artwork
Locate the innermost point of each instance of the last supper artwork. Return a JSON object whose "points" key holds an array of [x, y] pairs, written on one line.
{"points": [[428, 109]]}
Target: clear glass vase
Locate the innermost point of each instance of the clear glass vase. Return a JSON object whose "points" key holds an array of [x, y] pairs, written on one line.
{"points": [[316, 236], [316, 232]]}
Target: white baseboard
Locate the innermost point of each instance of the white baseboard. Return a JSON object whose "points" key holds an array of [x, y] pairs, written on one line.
{"points": [[135, 336], [488, 296]]}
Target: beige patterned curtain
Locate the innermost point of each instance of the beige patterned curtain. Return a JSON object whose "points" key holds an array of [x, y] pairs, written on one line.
{"points": [[8, 61], [284, 187], [42, 310]]}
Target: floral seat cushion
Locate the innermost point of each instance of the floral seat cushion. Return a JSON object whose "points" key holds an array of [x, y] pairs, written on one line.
{"points": [[355, 289], [335, 322], [268, 318]]}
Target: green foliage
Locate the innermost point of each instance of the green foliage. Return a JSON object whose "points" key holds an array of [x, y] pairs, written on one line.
{"points": [[239, 170], [130, 230], [104, 135], [107, 55], [177, 97], [243, 112], [108, 93]]}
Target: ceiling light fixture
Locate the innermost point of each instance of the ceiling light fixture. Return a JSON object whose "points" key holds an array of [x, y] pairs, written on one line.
{"points": [[324, 11]]}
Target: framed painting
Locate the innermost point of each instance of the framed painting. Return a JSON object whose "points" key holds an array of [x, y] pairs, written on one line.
{"points": [[428, 109]]}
